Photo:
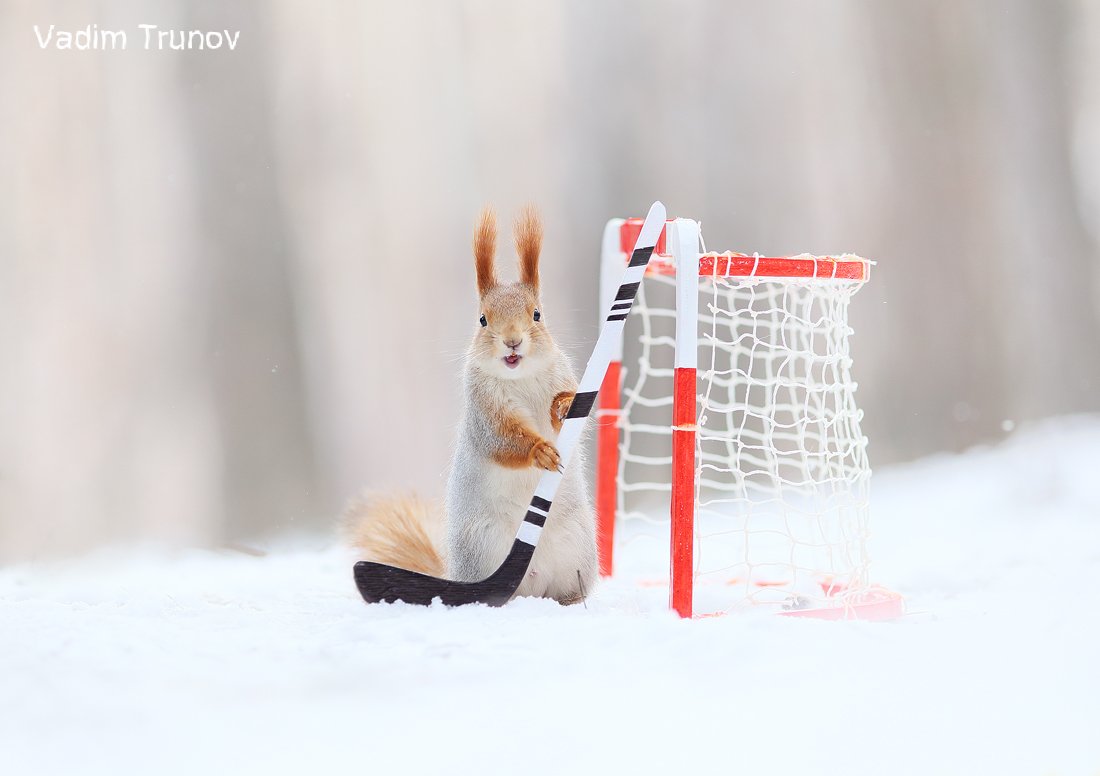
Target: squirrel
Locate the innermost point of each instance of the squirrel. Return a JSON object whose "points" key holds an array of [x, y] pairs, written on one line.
{"points": [[518, 386]]}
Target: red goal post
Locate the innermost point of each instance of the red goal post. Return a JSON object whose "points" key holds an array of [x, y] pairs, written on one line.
{"points": [[763, 440]]}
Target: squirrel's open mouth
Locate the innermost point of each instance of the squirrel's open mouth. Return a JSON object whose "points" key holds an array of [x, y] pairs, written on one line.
{"points": [[512, 360]]}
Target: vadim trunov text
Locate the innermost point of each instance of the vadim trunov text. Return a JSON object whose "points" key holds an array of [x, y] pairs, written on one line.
{"points": [[149, 37]]}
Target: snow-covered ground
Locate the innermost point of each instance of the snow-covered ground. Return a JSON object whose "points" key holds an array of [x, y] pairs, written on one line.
{"points": [[142, 662]]}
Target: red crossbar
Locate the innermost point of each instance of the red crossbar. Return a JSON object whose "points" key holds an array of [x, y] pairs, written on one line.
{"points": [[743, 265]]}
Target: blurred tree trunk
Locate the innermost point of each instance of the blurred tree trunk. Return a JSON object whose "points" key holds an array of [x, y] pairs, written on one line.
{"points": [[251, 333], [986, 267], [105, 428], [1049, 319]]}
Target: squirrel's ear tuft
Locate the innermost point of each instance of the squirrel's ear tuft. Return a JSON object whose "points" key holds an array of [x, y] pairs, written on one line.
{"points": [[529, 245], [485, 248]]}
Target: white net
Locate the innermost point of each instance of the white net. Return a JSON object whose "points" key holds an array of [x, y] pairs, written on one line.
{"points": [[781, 470]]}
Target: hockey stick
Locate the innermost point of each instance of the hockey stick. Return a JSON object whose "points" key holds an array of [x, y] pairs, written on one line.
{"points": [[378, 582]]}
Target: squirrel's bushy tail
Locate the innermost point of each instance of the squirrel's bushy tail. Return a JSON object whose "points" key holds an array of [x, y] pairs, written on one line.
{"points": [[396, 529]]}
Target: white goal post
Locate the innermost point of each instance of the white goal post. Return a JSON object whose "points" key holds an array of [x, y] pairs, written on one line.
{"points": [[728, 428]]}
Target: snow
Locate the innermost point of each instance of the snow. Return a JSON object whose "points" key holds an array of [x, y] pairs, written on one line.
{"points": [[144, 661]]}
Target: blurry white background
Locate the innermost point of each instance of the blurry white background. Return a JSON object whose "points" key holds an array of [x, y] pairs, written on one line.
{"points": [[235, 286]]}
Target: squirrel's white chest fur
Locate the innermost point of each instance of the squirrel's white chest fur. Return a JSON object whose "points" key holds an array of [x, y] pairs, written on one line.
{"points": [[486, 501]]}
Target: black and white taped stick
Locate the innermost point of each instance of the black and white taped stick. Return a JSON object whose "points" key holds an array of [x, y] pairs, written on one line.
{"points": [[378, 582]]}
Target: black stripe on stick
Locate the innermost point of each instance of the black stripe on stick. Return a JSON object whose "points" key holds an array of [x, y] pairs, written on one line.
{"points": [[540, 503], [641, 256], [582, 405], [535, 518], [627, 291], [619, 317], [621, 306]]}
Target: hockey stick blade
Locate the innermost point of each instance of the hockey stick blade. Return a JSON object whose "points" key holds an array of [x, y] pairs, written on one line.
{"points": [[378, 582]]}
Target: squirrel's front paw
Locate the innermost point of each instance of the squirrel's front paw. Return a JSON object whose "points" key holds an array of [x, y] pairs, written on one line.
{"points": [[545, 456], [559, 408]]}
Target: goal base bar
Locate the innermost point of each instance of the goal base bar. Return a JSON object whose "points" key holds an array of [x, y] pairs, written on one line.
{"points": [[875, 603]]}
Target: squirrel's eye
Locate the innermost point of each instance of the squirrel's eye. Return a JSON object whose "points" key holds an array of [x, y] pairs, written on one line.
{"points": [[538, 315], [483, 321]]}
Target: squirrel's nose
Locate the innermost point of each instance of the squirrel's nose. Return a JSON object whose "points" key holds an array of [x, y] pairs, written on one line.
{"points": [[513, 343]]}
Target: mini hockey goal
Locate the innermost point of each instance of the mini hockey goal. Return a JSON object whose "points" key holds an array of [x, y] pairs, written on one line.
{"points": [[729, 433]]}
